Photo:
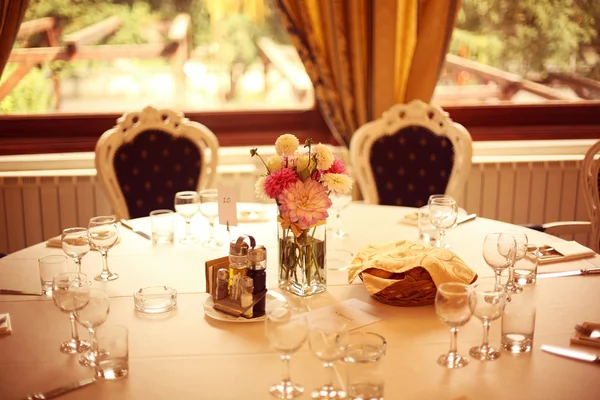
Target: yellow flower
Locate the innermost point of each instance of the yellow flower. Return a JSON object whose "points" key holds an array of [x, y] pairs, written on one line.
{"points": [[324, 157], [338, 183], [274, 164], [259, 189], [286, 145]]}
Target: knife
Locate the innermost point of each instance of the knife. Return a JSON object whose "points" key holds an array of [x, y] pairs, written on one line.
{"points": [[584, 271], [468, 218], [568, 353], [127, 225], [19, 292], [61, 390]]}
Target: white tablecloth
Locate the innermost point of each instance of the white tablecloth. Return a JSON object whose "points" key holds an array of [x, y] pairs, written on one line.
{"points": [[185, 354]]}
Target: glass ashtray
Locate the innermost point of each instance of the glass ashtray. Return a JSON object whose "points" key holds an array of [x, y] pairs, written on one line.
{"points": [[155, 299]]}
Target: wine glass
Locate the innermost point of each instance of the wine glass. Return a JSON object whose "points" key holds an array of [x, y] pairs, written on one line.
{"points": [[104, 234], [325, 339], [521, 241], [286, 333], [70, 292], [92, 316], [76, 244], [443, 212], [454, 306], [338, 203], [209, 207], [488, 306], [498, 252], [186, 205]]}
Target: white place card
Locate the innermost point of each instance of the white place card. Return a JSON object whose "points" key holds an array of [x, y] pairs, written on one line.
{"points": [[227, 205], [352, 311]]}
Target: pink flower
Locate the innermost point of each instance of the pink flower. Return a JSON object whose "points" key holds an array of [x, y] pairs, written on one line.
{"points": [[276, 182], [304, 203], [338, 167]]}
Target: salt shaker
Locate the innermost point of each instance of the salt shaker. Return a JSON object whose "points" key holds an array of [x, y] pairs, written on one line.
{"points": [[221, 290], [238, 265], [246, 297], [257, 270]]}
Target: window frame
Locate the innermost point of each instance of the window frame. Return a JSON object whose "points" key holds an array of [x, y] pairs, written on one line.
{"points": [[62, 133]]}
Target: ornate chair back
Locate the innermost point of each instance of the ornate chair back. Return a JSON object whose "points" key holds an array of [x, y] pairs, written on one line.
{"points": [[413, 151], [151, 155], [591, 183]]}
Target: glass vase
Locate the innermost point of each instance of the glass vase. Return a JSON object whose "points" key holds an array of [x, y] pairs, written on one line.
{"points": [[302, 269]]}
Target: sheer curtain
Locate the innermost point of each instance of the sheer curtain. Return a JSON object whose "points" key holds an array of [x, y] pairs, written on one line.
{"points": [[12, 12], [363, 56]]}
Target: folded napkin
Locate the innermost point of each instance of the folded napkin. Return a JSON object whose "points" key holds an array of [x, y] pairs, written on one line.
{"points": [[55, 242], [382, 265], [572, 250], [5, 328]]}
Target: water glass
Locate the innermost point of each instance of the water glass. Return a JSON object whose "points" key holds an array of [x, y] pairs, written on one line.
{"points": [[488, 306], [76, 244], [443, 212], [104, 234], [363, 352], [70, 292], [339, 203], [186, 205], [499, 250], [50, 266], [526, 268], [92, 316], [163, 227], [112, 361], [521, 241], [427, 232], [518, 326]]}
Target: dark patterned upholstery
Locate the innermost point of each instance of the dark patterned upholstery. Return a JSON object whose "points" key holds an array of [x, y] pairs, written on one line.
{"points": [[153, 167], [411, 165]]}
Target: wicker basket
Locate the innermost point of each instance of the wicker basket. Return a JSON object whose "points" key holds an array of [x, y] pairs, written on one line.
{"points": [[412, 288]]}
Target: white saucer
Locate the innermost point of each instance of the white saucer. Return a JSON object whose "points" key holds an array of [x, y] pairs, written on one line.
{"points": [[274, 300]]}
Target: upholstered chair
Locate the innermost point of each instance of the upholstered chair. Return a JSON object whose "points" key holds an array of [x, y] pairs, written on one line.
{"points": [[151, 155], [413, 151]]}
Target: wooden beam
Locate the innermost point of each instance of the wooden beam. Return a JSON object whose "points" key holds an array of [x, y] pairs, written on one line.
{"points": [[92, 33], [106, 52], [14, 79], [32, 27], [575, 80], [466, 92], [503, 78]]}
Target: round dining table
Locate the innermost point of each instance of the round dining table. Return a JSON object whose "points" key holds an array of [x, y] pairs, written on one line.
{"points": [[186, 353]]}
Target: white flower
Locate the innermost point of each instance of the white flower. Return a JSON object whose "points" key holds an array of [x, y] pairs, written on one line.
{"points": [[324, 156], [274, 164], [259, 189], [286, 145], [338, 183]]}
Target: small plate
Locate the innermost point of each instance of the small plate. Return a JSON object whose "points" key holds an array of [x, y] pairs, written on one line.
{"points": [[274, 300]]}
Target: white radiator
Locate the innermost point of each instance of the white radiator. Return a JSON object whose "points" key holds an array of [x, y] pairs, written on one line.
{"points": [[35, 208]]}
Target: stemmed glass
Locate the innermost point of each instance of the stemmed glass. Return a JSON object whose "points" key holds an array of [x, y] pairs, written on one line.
{"points": [[186, 205], [286, 333], [521, 242], [70, 293], [443, 212], [209, 207], [339, 203], [498, 252], [326, 341], [76, 244], [454, 306], [92, 316], [104, 234], [489, 305]]}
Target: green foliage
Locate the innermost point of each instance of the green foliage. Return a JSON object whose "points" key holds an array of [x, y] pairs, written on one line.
{"points": [[32, 94], [528, 36]]}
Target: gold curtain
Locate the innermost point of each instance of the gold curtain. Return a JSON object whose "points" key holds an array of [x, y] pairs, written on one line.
{"points": [[363, 56], [12, 12]]}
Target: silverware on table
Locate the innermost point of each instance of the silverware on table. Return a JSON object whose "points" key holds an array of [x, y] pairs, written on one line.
{"points": [[573, 354], [584, 271], [468, 218], [589, 332], [20, 292], [127, 225], [61, 390]]}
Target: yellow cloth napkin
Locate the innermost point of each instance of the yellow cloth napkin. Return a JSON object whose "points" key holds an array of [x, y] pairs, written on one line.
{"points": [[381, 261], [57, 244]]}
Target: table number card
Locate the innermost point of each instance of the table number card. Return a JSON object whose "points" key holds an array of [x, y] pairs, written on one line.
{"points": [[353, 312], [227, 205]]}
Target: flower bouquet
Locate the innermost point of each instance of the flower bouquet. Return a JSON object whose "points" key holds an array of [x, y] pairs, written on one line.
{"points": [[300, 180]]}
